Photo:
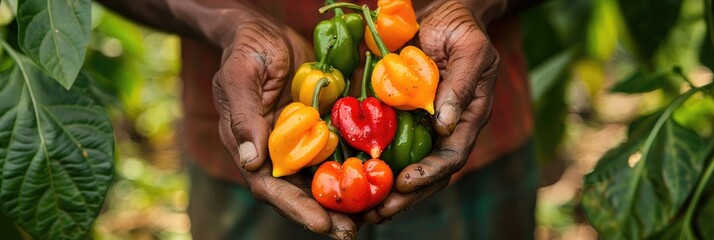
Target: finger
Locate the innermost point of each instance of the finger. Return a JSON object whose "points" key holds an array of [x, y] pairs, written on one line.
{"points": [[372, 217], [252, 75], [462, 50], [452, 152], [343, 227], [398, 202], [291, 201]]}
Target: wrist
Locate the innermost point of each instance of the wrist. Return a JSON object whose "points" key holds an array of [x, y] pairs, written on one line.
{"points": [[215, 21]]}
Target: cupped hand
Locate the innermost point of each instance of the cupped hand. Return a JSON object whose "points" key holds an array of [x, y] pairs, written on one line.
{"points": [[468, 64], [249, 90]]}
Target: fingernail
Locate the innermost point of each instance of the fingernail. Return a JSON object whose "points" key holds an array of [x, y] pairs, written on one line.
{"points": [[247, 152], [448, 117]]}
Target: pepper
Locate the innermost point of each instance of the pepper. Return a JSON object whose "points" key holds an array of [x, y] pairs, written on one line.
{"points": [[406, 81], [352, 187], [366, 124], [396, 23], [300, 138], [347, 30], [412, 142], [307, 76]]}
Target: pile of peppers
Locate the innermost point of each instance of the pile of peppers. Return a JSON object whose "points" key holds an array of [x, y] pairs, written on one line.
{"points": [[368, 139]]}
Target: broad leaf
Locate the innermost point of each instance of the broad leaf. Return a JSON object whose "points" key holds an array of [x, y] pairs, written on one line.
{"points": [[547, 74], [55, 34], [641, 82], [649, 22], [636, 202], [56, 154], [550, 112], [704, 223]]}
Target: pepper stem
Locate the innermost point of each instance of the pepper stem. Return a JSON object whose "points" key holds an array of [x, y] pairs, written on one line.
{"points": [[323, 82], [367, 66], [338, 11], [345, 154], [373, 29], [322, 64], [339, 5]]}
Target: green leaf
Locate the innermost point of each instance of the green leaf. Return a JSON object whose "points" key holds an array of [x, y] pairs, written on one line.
{"points": [[56, 153], [537, 30], [641, 82], [648, 23], [638, 188], [546, 75], [704, 223], [550, 113], [55, 34]]}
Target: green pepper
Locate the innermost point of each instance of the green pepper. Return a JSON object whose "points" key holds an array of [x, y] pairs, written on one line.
{"points": [[348, 30], [412, 142]]}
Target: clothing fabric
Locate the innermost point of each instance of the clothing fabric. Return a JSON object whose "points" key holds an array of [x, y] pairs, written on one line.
{"points": [[494, 202]]}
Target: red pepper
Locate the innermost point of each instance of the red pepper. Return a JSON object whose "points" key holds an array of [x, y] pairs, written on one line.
{"points": [[366, 123], [352, 187]]}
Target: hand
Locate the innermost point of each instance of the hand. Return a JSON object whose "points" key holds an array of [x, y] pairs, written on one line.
{"points": [[250, 88], [468, 64]]}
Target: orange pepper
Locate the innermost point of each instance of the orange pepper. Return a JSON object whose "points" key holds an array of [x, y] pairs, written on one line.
{"points": [[396, 24], [300, 138], [406, 81]]}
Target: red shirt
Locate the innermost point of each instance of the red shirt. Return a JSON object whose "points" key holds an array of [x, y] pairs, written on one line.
{"points": [[511, 122]]}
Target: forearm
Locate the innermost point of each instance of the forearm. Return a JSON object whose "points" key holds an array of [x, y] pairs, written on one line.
{"points": [[213, 21]]}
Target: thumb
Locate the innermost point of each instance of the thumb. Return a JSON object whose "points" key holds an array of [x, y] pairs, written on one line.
{"points": [[465, 57], [237, 94]]}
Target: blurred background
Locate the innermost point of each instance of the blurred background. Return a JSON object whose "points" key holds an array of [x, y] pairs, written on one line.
{"points": [[579, 53]]}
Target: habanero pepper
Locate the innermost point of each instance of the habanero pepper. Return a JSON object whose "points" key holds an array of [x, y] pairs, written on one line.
{"points": [[396, 23], [352, 187], [412, 142], [300, 138], [366, 124], [307, 76], [347, 30], [406, 81]]}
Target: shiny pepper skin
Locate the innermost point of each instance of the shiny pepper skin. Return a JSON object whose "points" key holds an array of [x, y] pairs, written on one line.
{"points": [[352, 187], [412, 142], [367, 125], [406, 81], [396, 24], [347, 31], [307, 76], [300, 139]]}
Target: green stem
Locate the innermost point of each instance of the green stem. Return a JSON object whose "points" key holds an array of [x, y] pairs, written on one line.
{"points": [[377, 39], [700, 188], [323, 82], [322, 65], [367, 66], [338, 11], [710, 19], [339, 5], [678, 71], [345, 154], [347, 87]]}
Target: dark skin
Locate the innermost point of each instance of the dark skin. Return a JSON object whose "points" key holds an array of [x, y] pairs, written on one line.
{"points": [[252, 86]]}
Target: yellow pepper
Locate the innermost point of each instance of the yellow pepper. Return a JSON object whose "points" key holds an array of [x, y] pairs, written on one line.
{"points": [[307, 76], [300, 138]]}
